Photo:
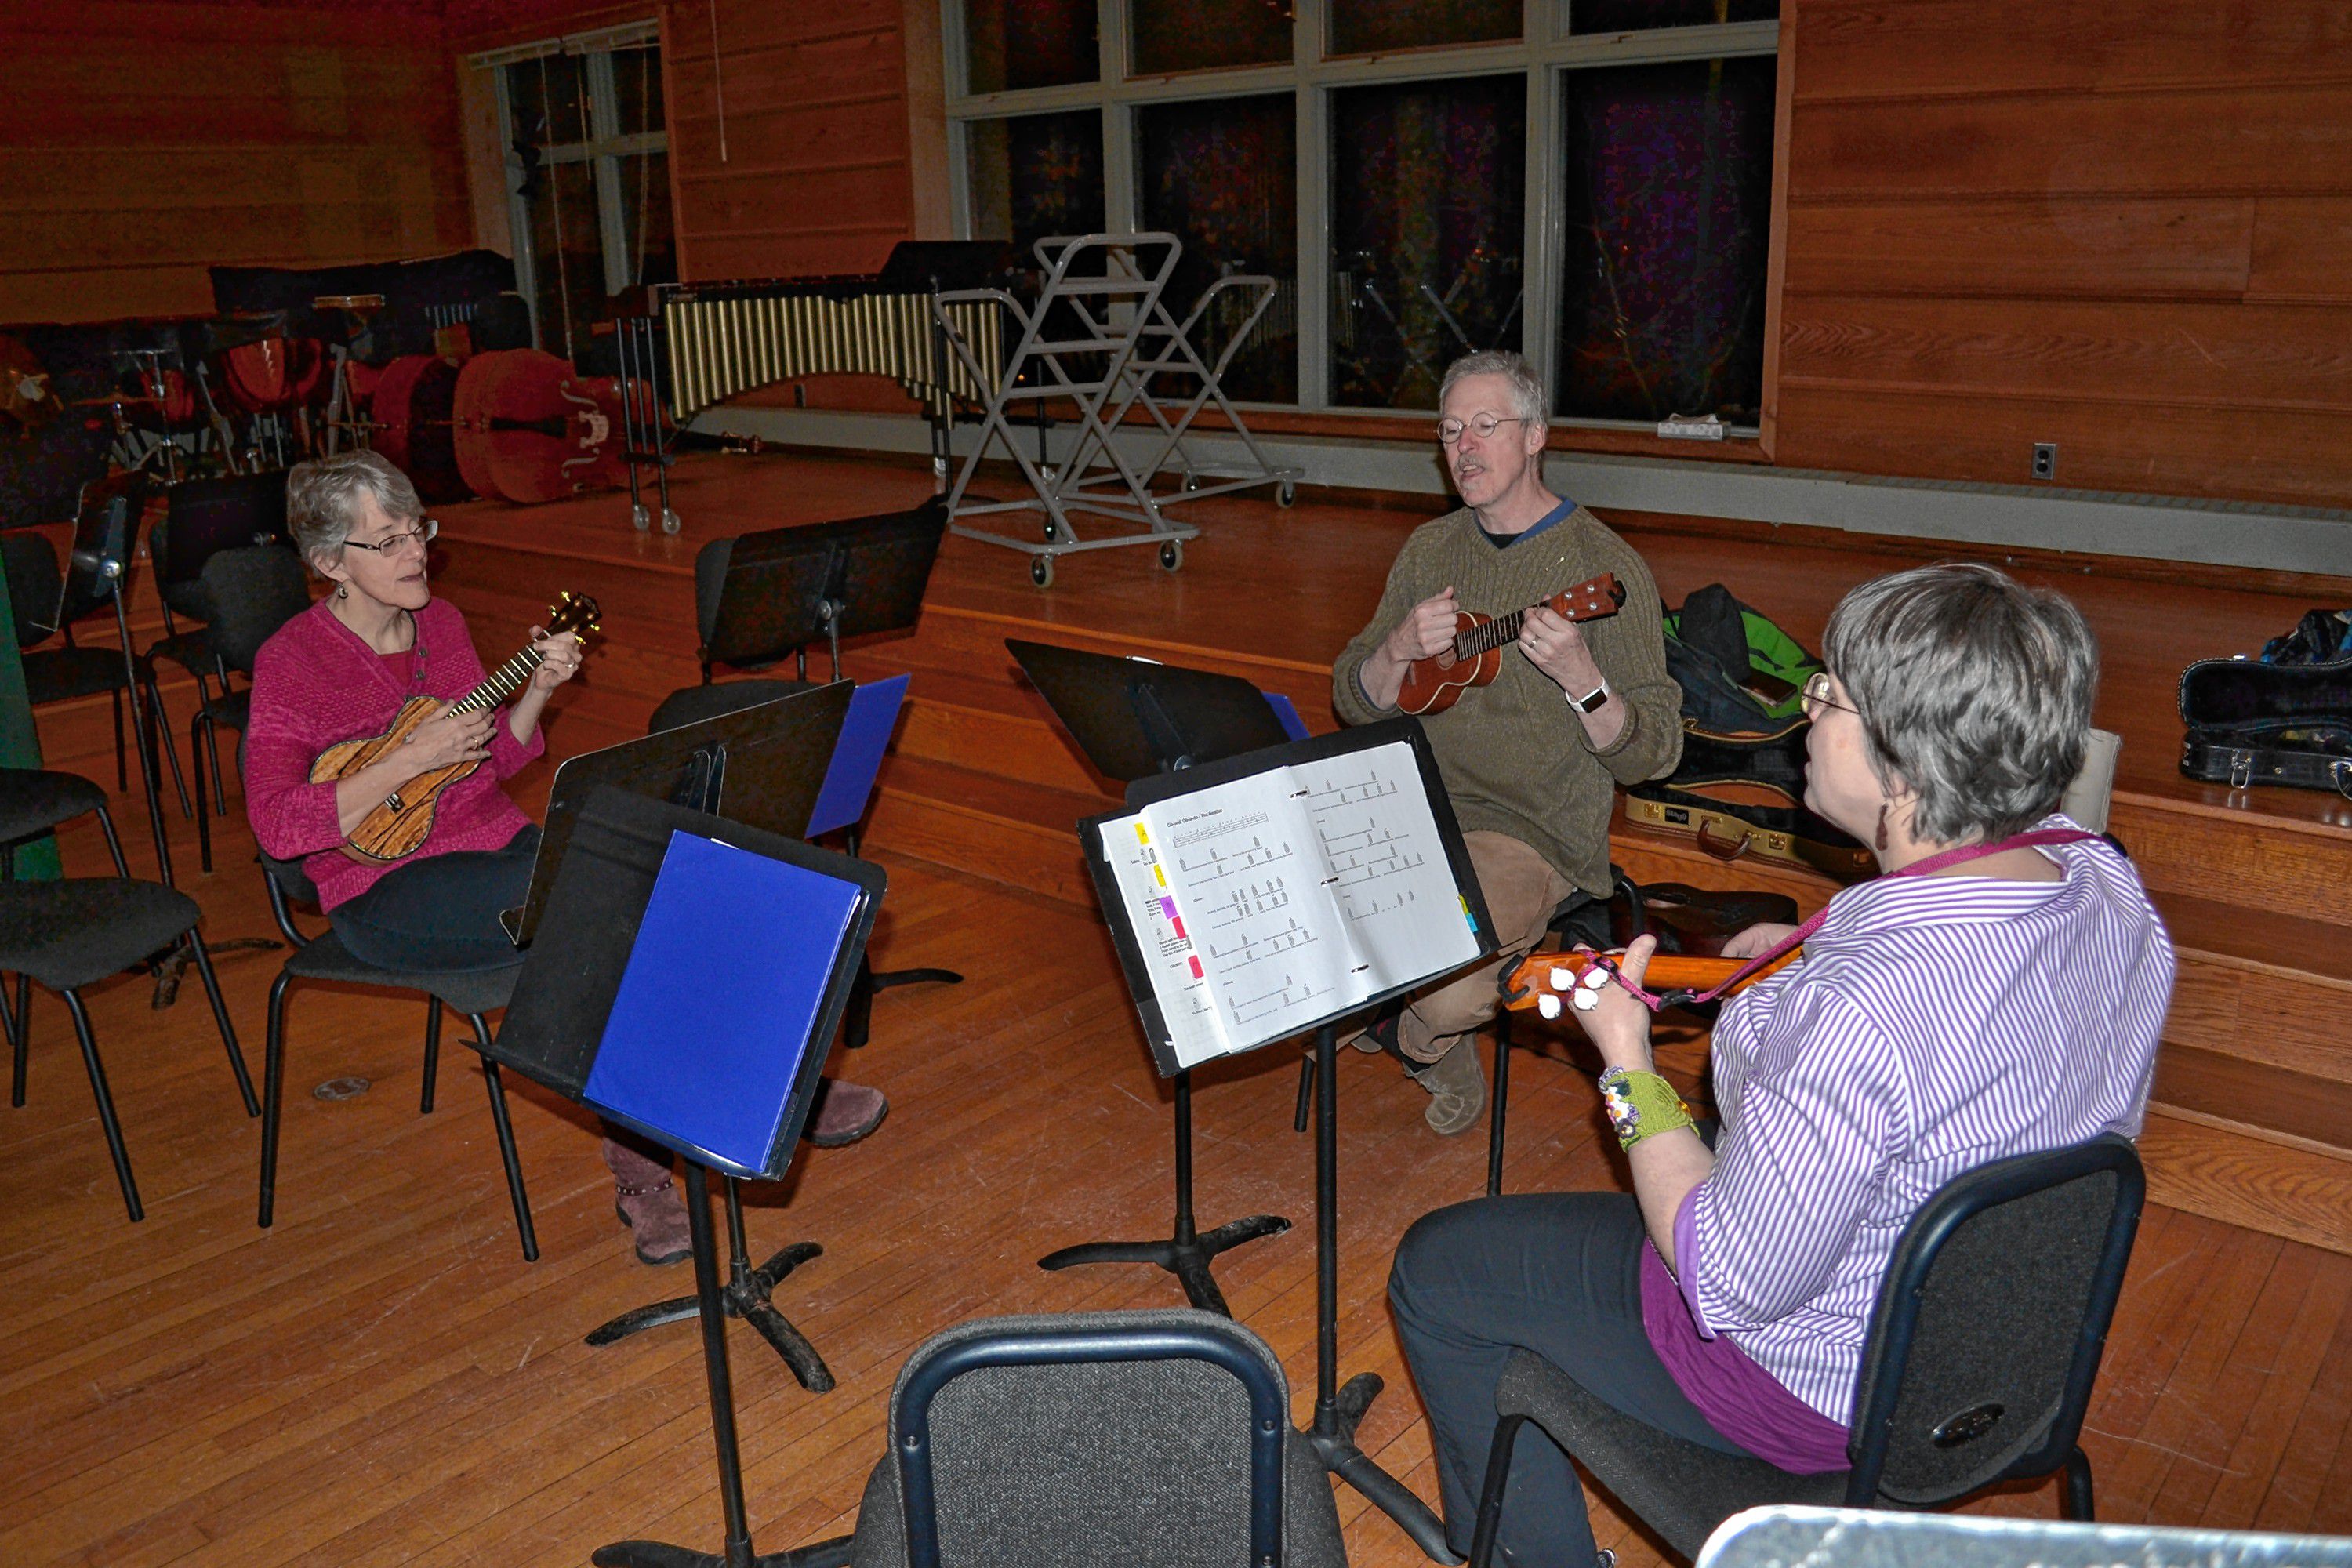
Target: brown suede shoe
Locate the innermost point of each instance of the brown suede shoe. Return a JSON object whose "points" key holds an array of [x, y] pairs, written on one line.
{"points": [[1456, 1082], [844, 1113], [658, 1221]]}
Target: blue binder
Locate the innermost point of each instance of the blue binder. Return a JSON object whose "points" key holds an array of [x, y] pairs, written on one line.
{"points": [[713, 1024], [857, 754], [1286, 712]]}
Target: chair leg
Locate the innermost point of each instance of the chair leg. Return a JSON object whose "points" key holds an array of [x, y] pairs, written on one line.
{"points": [[220, 1018], [113, 843], [273, 1087], [1490, 1495], [19, 1022], [204, 812], [171, 749], [2078, 1488], [105, 1106], [212, 762], [498, 1090], [1499, 1106], [431, 1055]]}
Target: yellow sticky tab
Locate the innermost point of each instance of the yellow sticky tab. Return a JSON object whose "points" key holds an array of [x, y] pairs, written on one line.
{"points": [[1162, 875], [1141, 838]]}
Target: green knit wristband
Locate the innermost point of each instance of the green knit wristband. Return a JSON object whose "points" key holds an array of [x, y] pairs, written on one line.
{"points": [[1641, 1105]]}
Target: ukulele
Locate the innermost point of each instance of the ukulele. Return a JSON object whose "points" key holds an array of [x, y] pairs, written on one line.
{"points": [[1432, 685], [400, 823], [1550, 976]]}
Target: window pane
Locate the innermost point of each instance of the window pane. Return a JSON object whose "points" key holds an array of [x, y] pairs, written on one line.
{"points": [[550, 99], [1376, 27], [638, 90], [1011, 44], [1223, 177], [1634, 15], [567, 255], [1428, 205], [1036, 175], [1205, 34], [1668, 215], [645, 219]]}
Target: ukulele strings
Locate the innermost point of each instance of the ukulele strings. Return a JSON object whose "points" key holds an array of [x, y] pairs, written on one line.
{"points": [[502, 685]]}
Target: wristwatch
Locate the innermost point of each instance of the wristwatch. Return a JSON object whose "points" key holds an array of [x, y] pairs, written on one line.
{"points": [[1592, 700]]}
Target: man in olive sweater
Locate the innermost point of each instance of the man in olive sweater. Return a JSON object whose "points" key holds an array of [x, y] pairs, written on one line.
{"points": [[1532, 762]]}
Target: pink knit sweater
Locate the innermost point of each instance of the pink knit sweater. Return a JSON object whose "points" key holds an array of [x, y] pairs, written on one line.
{"points": [[315, 683]]}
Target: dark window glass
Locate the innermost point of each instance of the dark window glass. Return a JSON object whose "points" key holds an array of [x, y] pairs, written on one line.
{"points": [[1667, 219], [1376, 27], [1036, 175], [1222, 175], [1011, 44], [652, 241], [567, 255], [1634, 16], [1173, 36], [1428, 216], [549, 97], [637, 91]]}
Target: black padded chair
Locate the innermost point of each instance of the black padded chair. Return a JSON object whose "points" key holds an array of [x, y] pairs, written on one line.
{"points": [[253, 591], [684, 707], [1982, 1350], [69, 934], [34, 800], [1157, 1439], [325, 960]]}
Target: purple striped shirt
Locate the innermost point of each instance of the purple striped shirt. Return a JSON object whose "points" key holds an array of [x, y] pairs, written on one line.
{"points": [[1934, 1025]]}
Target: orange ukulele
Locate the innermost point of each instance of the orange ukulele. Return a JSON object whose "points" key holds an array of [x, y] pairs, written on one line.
{"points": [[1542, 974], [1434, 684], [400, 823]]}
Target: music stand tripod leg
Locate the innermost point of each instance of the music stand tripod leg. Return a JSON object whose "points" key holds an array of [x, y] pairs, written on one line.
{"points": [[745, 1295], [1339, 1411], [710, 1303], [1188, 1252]]}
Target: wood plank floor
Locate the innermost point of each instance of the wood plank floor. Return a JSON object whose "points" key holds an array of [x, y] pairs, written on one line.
{"points": [[380, 1379]]}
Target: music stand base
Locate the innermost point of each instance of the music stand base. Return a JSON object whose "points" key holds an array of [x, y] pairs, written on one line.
{"points": [[1188, 1260], [1333, 1438], [834, 1553]]}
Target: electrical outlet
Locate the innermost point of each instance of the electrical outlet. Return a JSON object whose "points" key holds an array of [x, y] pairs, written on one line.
{"points": [[2045, 459]]}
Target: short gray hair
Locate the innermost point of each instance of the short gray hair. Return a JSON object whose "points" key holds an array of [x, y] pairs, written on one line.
{"points": [[1973, 688], [1527, 388], [322, 498]]}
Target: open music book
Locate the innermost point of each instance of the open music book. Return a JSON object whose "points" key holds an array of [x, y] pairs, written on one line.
{"points": [[1258, 908]]}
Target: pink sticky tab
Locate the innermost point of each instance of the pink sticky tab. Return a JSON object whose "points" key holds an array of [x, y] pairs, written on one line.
{"points": [[1180, 932], [1196, 968]]}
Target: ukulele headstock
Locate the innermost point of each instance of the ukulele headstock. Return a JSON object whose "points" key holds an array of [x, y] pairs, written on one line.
{"points": [[574, 612], [1590, 600]]}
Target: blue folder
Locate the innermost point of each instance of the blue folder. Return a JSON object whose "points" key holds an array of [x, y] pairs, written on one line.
{"points": [[1286, 713], [858, 755], [722, 990]]}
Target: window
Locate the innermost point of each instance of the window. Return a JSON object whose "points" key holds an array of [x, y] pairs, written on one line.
{"points": [[1588, 181], [588, 161]]}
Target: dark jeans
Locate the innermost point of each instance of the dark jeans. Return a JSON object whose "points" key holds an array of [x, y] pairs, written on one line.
{"points": [[441, 913], [1555, 1273]]}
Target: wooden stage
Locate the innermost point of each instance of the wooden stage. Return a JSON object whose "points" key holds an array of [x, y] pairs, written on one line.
{"points": [[380, 1378]]}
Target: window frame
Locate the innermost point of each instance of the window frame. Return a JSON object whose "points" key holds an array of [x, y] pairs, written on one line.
{"points": [[1541, 55]]}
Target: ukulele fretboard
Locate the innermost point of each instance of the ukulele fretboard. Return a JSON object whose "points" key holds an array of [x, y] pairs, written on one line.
{"points": [[1492, 635], [503, 682]]}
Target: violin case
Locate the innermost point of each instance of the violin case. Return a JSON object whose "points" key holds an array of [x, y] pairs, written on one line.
{"points": [[2284, 717]]}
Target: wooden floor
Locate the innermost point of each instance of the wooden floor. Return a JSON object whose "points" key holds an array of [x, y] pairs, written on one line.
{"points": [[380, 1379]]}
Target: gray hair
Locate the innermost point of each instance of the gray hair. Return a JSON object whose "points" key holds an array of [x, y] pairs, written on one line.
{"points": [[1976, 689], [1527, 388], [322, 499]]}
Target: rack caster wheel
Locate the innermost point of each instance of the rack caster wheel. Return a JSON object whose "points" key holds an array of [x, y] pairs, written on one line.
{"points": [[1172, 556], [1286, 494], [1053, 530], [670, 523], [1041, 570], [641, 518]]}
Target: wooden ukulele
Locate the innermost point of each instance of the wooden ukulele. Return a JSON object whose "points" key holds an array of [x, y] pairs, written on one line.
{"points": [[400, 822], [1434, 684], [1553, 974]]}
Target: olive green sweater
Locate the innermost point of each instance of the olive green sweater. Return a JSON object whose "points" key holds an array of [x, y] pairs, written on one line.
{"points": [[1514, 754]]}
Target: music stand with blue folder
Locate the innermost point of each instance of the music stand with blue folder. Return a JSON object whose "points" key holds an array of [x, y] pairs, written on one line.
{"points": [[701, 1029], [1134, 720]]}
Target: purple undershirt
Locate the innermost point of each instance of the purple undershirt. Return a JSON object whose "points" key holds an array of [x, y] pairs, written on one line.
{"points": [[1739, 1398]]}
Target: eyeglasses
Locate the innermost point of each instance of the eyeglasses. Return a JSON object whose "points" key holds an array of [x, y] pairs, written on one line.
{"points": [[393, 543], [1817, 695], [1449, 431]]}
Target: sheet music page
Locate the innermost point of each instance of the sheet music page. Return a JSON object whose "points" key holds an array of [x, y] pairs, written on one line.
{"points": [[1178, 979], [1246, 871], [1391, 878]]}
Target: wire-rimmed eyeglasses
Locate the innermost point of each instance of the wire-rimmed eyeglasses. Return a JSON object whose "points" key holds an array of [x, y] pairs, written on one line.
{"points": [[1449, 431], [1817, 694], [421, 535]]}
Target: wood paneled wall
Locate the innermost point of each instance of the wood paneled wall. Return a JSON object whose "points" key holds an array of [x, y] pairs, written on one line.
{"points": [[2122, 226], [144, 141]]}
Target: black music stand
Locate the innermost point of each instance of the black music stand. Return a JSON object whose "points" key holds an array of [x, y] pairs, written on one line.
{"points": [[1134, 720], [785, 588], [554, 1030], [762, 767], [1339, 1411]]}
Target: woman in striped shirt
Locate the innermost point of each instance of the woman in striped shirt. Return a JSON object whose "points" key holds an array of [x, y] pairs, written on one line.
{"points": [[1993, 1003]]}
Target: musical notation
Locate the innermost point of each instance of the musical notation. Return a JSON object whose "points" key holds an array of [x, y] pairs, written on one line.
{"points": [[1290, 997], [1254, 947], [1249, 902], [1215, 864]]}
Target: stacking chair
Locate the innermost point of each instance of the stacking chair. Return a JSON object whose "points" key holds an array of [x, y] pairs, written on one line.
{"points": [[324, 959], [710, 564], [252, 591], [1982, 1348], [68, 934], [1157, 1439]]}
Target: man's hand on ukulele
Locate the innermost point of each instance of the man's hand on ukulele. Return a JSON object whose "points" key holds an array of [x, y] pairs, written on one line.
{"points": [[561, 661], [1426, 631], [447, 738], [1555, 645]]}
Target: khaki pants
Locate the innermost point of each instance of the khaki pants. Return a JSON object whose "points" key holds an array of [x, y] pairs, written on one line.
{"points": [[1521, 891]]}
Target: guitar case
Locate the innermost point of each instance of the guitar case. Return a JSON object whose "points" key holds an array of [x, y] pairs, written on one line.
{"points": [[1742, 794]]}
